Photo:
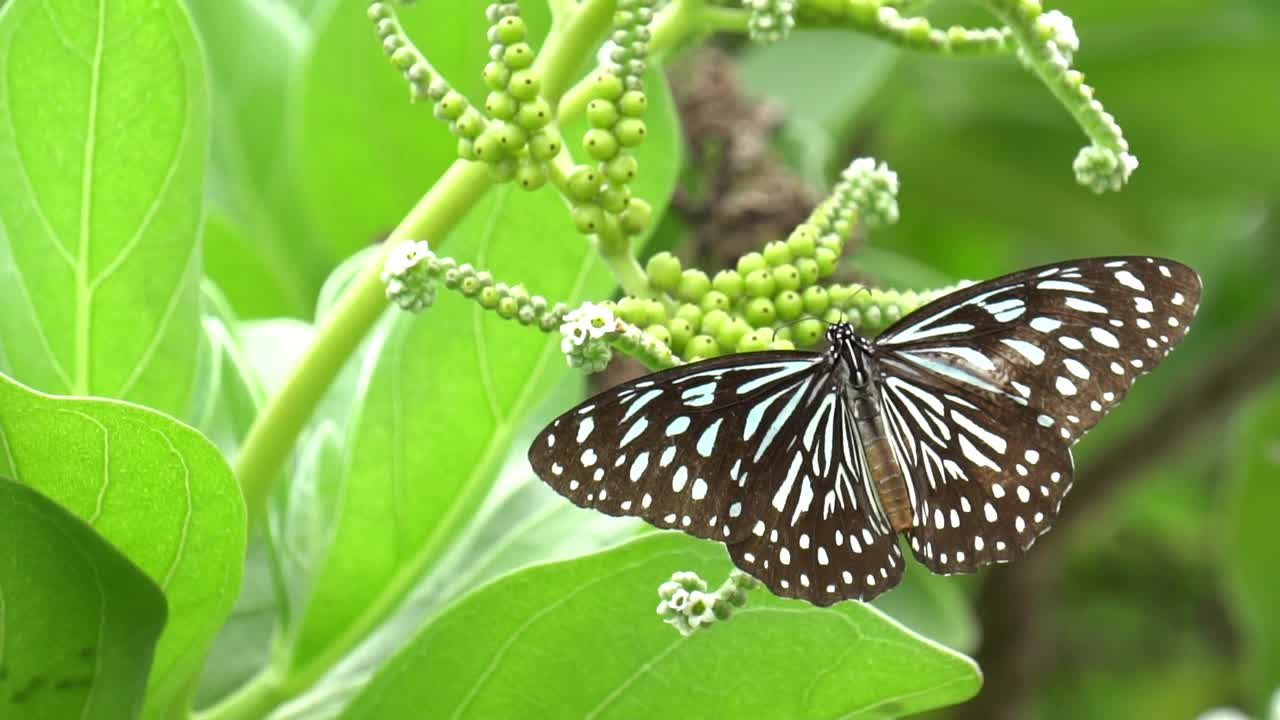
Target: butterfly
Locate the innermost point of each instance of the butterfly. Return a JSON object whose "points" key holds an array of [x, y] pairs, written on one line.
{"points": [[953, 428]]}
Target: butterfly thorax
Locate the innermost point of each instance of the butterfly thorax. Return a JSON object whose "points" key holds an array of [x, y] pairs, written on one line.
{"points": [[854, 358]]}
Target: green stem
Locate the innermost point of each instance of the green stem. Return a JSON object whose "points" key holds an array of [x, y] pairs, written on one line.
{"points": [[570, 46], [724, 19], [275, 431], [615, 249]]}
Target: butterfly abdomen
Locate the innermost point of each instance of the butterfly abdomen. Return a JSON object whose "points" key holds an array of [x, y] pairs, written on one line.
{"points": [[883, 465]]}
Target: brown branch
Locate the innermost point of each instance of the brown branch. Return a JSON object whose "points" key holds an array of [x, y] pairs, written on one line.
{"points": [[1014, 598]]}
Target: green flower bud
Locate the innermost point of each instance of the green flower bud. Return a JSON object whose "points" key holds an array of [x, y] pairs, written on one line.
{"points": [[681, 331], [808, 269], [471, 124], [663, 270], [633, 103], [714, 300], [815, 300], [807, 333], [787, 277], [789, 305], [730, 283], [835, 315], [499, 104], [584, 183], [511, 30], [637, 217], [756, 340], [508, 307], [731, 333], [630, 131], [761, 312], [621, 169], [588, 218], [503, 169], [691, 314], [832, 242], [488, 147], [512, 137], [601, 113], [544, 145], [496, 76], [803, 241], [777, 253], [841, 295], [600, 144], [531, 176], [760, 284], [534, 115], [489, 298], [701, 346], [655, 312], [452, 105], [518, 56], [871, 316], [781, 345], [749, 263], [633, 310], [614, 198], [661, 333], [713, 320], [524, 85], [826, 259], [693, 285], [606, 85]]}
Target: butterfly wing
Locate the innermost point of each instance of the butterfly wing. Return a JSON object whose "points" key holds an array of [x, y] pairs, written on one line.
{"points": [[985, 389]]}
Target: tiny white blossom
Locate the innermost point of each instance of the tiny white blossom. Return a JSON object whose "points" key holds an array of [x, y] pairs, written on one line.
{"points": [[701, 609]]}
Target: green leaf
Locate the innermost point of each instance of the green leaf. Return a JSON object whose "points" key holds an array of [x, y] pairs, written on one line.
{"points": [[1254, 537], [102, 163], [156, 489], [367, 155], [581, 637], [227, 395], [78, 621]]}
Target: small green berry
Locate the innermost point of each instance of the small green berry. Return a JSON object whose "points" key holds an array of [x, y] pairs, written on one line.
{"points": [[496, 76], [637, 217], [731, 333], [663, 270], [511, 30], [815, 300], [606, 85], [730, 283], [691, 314], [534, 115], [761, 312], [471, 124], [622, 169], [749, 263], [600, 144], [661, 333], [531, 176], [712, 321], [807, 333], [841, 295], [871, 316], [602, 113], [831, 242], [756, 340], [499, 104], [633, 103], [789, 305], [588, 218], [714, 300], [518, 56], [777, 253], [584, 183], [614, 198], [681, 331], [655, 312], [488, 147], [511, 136], [808, 269], [508, 307], [544, 145], [782, 345], [453, 104], [760, 283], [787, 277], [489, 298], [826, 259], [701, 346], [693, 285], [632, 310], [630, 131], [524, 85], [803, 241]]}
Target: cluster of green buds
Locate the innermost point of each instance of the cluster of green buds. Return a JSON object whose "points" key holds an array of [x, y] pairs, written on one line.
{"points": [[1059, 32], [686, 605], [771, 20], [412, 272], [616, 118], [518, 139]]}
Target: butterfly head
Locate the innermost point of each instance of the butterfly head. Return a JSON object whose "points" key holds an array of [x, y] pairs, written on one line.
{"points": [[851, 349]]}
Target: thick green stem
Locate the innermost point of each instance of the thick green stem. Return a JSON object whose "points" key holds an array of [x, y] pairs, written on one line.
{"points": [[276, 429], [570, 46]]}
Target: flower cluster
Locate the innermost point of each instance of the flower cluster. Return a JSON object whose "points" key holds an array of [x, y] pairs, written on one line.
{"points": [[883, 19], [686, 605], [771, 20], [872, 189], [408, 277], [585, 334]]}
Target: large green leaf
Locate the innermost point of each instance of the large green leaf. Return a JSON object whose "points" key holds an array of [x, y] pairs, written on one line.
{"points": [[102, 154], [580, 639], [1254, 537], [156, 489], [78, 621]]}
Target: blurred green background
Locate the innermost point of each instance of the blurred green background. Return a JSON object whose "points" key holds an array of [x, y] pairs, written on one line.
{"points": [[1159, 596]]}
